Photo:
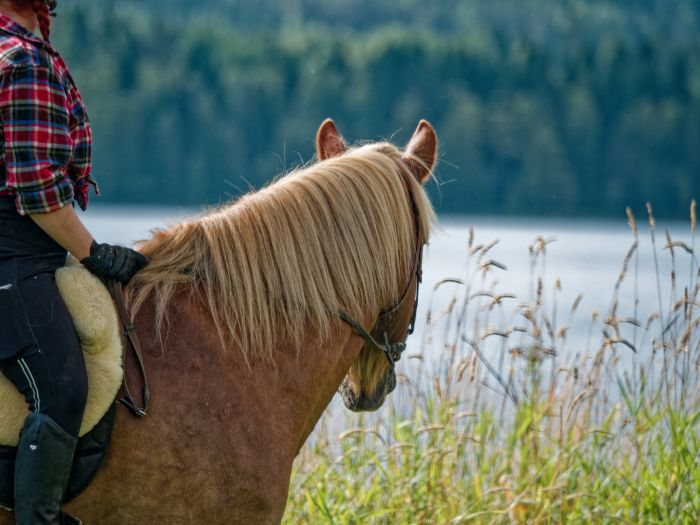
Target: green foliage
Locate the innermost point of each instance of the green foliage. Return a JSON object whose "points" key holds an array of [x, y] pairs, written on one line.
{"points": [[543, 107], [516, 426]]}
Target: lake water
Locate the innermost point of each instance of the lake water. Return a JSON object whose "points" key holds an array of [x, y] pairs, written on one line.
{"points": [[585, 256]]}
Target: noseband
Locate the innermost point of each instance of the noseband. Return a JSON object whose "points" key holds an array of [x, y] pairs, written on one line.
{"points": [[393, 351]]}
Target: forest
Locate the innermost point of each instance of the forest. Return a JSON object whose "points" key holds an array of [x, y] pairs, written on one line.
{"points": [[543, 107]]}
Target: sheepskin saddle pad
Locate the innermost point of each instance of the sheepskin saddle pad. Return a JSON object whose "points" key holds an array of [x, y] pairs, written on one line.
{"points": [[95, 320]]}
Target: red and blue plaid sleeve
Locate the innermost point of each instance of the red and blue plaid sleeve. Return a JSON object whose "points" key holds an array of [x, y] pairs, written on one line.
{"points": [[38, 144]]}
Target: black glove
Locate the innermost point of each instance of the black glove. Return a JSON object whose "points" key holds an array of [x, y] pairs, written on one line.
{"points": [[107, 261]]}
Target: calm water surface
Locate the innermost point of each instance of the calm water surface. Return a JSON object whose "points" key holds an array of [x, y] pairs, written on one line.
{"points": [[584, 256]]}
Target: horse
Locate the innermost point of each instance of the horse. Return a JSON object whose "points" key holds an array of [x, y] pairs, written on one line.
{"points": [[240, 311]]}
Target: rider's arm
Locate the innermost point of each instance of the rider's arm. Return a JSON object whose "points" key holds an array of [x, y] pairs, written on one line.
{"points": [[35, 114], [64, 227], [107, 261]]}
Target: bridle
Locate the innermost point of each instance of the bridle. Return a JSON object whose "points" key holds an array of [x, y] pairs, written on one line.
{"points": [[393, 351]]}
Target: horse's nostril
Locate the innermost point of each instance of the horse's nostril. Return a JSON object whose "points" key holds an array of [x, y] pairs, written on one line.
{"points": [[391, 382], [360, 402]]}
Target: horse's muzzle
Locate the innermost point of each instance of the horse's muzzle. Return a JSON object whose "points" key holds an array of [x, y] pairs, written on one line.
{"points": [[363, 402]]}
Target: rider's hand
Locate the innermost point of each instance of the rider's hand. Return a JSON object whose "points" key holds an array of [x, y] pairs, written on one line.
{"points": [[108, 261]]}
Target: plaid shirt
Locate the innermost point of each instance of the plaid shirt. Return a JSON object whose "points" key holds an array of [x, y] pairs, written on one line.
{"points": [[45, 151]]}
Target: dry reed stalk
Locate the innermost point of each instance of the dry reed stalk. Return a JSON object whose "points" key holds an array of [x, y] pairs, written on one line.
{"points": [[650, 213], [628, 320], [550, 330], [447, 280], [438, 389], [498, 298], [488, 247], [669, 245], [561, 333], [553, 328], [612, 320], [494, 373], [693, 229], [678, 244], [473, 369], [688, 333], [652, 229], [625, 267], [633, 227], [575, 305], [682, 303], [462, 368], [494, 330], [540, 244], [631, 221]]}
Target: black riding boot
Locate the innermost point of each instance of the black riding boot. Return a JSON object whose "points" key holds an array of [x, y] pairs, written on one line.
{"points": [[44, 460]]}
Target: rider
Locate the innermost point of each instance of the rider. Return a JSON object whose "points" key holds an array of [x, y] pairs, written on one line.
{"points": [[45, 148]]}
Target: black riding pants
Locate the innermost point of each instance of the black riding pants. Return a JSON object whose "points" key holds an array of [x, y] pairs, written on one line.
{"points": [[51, 373], [39, 349]]}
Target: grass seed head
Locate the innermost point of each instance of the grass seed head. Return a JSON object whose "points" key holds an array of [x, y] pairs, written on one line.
{"points": [[652, 221], [693, 216], [632, 222]]}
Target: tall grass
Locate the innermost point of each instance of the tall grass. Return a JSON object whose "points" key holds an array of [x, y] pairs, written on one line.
{"points": [[515, 424]]}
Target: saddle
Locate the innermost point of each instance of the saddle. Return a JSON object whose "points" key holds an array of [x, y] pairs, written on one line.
{"points": [[96, 322]]}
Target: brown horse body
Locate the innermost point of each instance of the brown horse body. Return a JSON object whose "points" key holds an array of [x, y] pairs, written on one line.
{"points": [[218, 444], [225, 425]]}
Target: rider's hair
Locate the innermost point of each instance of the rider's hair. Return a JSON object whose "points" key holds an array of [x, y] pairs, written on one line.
{"points": [[44, 15], [43, 10]]}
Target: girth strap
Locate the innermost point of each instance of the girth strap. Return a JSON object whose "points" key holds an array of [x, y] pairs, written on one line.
{"points": [[129, 331]]}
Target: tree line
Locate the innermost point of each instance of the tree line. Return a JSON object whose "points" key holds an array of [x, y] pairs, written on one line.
{"points": [[570, 113]]}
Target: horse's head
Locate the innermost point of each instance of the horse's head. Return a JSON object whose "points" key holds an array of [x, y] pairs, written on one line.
{"points": [[372, 376]]}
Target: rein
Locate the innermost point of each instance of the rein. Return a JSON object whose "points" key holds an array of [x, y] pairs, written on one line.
{"points": [[393, 351], [132, 341]]}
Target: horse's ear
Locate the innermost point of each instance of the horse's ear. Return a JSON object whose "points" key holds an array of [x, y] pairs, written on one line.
{"points": [[329, 143], [421, 151]]}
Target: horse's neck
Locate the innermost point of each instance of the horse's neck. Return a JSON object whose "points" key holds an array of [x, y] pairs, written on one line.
{"points": [[318, 372], [283, 401]]}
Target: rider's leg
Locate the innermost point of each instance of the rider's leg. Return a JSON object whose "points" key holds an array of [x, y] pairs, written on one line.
{"points": [[53, 380]]}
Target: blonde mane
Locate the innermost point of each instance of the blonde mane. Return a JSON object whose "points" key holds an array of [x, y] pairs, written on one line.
{"points": [[280, 261]]}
